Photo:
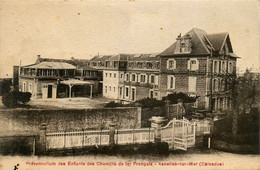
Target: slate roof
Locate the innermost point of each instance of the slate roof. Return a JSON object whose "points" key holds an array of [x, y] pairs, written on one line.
{"points": [[144, 57], [217, 40], [118, 57], [202, 42], [52, 65]]}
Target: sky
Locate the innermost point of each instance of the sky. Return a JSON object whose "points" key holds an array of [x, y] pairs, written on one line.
{"points": [[83, 29]]}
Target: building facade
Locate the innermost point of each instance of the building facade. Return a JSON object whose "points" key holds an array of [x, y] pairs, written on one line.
{"points": [[197, 63], [47, 79]]}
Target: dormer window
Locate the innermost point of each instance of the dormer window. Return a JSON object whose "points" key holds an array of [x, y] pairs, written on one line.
{"points": [[183, 44]]}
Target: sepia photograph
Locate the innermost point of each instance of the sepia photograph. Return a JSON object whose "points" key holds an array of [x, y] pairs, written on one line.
{"points": [[129, 84]]}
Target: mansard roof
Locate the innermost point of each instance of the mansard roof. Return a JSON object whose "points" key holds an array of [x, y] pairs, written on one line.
{"points": [[202, 43]]}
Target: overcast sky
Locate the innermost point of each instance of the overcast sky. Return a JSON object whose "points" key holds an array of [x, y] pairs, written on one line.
{"points": [[82, 29]]}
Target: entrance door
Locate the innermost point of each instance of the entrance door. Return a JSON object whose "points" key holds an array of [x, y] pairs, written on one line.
{"points": [[49, 91]]}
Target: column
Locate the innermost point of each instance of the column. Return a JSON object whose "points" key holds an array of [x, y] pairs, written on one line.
{"points": [[70, 86], [41, 143], [156, 123], [91, 90], [112, 127]]}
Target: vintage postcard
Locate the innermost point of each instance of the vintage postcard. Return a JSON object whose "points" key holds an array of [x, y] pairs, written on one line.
{"points": [[129, 84]]}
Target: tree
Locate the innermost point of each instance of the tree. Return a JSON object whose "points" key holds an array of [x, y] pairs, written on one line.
{"points": [[5, 86], [242, 91], [15, 98], [174, 97]]}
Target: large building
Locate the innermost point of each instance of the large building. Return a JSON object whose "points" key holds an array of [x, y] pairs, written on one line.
{"points": [[197, 63], [54, 78]]}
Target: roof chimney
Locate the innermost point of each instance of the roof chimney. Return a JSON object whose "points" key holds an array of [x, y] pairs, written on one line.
{"points": [[38, 56]]}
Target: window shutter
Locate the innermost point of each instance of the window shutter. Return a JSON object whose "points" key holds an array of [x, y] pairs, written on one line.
{"points": [[188, 65], [125, 77], [156, 80], [167, 64], [173, 86], [174, 64], [197, 64], [146, 78]]}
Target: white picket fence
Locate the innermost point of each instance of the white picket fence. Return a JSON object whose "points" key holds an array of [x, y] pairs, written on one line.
{"points": [[74, 139], [132, 136], [179, 134]]}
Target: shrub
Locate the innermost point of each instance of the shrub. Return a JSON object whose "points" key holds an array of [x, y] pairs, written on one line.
{"points": [[150, 103], [114, 104], [173, 98], [248, 129], [14, 98]]}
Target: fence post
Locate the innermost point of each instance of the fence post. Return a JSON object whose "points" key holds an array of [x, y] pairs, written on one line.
{"points": [[41, 149], [112, 128], [156, 122]]}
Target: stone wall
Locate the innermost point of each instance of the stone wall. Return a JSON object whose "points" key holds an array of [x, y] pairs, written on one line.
{"points": [[27, 121]]}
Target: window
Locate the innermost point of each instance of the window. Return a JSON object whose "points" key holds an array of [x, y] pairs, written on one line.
{"points": [[30, 87], [219, 67], [171, 64], [114, 89], [114, 75], [121, 75], [142, 78], [224, 67], [230, 67], [171, 82], [193, 64], [215, 85], [126, 91], [215, 66], [110, 74], [24, 87], [133, 77], [127, 77], [152, 79], [109, 88], [106, 74], [192, 84], [105, 89]]}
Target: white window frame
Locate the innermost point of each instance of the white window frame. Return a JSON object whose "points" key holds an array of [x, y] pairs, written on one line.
{"points": [[173, 65], [134, 94], [122, 75], [145, 78], [30, 87], [189, 66], [133, 74], [169, 78], [150, 79], [127, 77], [127, 94], [24, 86]]}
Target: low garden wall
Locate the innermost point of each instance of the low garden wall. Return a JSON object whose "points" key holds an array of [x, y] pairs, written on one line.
{"points": [[28, 120]]}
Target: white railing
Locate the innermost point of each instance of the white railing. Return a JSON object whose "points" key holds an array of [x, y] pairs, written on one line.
{"points": [[79, 139], [133, 136], [72, 139]]}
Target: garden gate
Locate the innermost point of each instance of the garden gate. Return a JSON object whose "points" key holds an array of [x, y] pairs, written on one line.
{"points": [[179, 134]]}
